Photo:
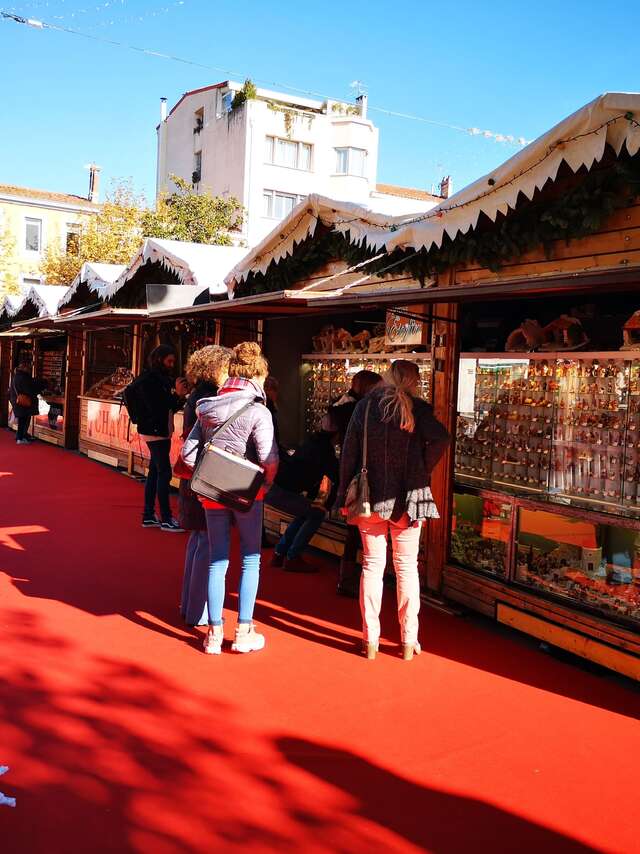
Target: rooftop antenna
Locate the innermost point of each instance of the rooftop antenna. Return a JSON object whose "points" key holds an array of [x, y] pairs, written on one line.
{"points": [[358, 88]]}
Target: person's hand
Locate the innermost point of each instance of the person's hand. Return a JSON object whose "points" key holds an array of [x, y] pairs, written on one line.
{"points": [[182, 387], [344, 512]]}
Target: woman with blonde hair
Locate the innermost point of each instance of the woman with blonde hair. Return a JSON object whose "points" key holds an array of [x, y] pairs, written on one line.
{"points": [[249, 436], [394, 436], [206, 371]]}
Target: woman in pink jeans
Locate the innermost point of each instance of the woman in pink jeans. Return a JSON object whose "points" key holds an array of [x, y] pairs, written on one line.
{"points": [[404, 443]]}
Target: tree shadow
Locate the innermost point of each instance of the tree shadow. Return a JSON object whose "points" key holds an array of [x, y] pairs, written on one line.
{"points": [[85, 547], [108, 756], [432, 820]]}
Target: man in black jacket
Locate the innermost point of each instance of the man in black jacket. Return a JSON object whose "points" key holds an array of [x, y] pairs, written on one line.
{"points": [[158, 401], [23, 395], [296, 491]]}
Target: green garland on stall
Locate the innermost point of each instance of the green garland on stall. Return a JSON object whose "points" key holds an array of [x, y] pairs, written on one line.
{"points": [[576, 212]]}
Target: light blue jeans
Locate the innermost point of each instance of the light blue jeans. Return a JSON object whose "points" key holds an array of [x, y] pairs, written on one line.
{"points": [[249, 527]]}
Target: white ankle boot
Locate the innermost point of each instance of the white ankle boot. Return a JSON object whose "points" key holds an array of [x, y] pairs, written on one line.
{"points": [[247, 639], [214, 640]]}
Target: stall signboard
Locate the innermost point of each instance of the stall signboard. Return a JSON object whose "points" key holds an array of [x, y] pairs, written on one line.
{"points": [[401, 331], [108, 424]]}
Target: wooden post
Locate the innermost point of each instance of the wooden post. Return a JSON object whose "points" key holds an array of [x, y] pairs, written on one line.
{"points": [[5, 379], [445, 359], [73, 388]]}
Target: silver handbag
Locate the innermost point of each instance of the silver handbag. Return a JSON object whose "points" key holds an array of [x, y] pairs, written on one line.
{"points": [[357, 500]]}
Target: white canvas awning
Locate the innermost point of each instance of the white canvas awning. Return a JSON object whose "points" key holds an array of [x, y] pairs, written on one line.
{"points": [[10, 305], [193, 263], [44, 298], [301, 223], [95, 276]]}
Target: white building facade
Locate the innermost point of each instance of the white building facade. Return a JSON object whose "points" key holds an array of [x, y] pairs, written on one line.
{"points": [[273, 150]]}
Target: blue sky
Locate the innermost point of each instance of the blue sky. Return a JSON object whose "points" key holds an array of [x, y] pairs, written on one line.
{"points": [[508, 67]]}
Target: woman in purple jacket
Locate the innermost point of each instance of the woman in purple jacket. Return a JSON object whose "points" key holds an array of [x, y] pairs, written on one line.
{"points": [[250, 436]]}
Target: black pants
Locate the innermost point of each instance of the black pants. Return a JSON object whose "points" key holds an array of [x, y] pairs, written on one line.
{"points": [[23, 426], [350, 571], [158, 480]]}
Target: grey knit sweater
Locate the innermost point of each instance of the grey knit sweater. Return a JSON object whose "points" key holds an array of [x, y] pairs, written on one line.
{"points": [[399, 463]]}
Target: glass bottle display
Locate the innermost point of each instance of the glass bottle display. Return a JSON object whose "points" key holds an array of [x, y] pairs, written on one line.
{"points": [[327, 377]]}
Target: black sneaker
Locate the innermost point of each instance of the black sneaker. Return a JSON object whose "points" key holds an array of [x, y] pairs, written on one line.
{"points": [[151, 522], [172, 526]]}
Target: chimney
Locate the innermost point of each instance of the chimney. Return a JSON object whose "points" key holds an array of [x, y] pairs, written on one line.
{"points": [[163, 109], [94, 183], [361, 101], [446, 187]]}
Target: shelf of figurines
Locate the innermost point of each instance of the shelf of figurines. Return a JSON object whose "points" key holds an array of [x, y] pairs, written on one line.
{"points": [[589, 560], [564, 427], [328, 376]]}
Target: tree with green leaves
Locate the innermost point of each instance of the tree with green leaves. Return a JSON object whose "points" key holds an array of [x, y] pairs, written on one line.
{"points": [[195, 217]]}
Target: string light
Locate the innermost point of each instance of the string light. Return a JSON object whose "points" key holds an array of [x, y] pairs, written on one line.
{"points": [[473, 132]]}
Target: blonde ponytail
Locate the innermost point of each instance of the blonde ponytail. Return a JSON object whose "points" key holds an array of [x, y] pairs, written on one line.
{"points": [[397, 400]]}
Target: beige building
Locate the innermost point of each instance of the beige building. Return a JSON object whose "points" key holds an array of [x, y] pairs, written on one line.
{"points": [[32, 220]]}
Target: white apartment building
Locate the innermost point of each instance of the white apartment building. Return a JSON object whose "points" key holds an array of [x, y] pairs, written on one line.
{"points": [[273, 150]]}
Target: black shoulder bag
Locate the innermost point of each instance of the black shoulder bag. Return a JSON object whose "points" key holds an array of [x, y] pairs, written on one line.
{"points": [[224, 477]]}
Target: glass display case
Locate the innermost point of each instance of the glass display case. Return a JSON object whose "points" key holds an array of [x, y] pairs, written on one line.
{"points": [[565, 427], [481, 532], [326, 377], [51, 366], [595, 564]]}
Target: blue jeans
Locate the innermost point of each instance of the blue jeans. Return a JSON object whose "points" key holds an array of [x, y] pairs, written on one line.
{"points": [[249, 527], [308, 519], [158, 480], [193, 604]]}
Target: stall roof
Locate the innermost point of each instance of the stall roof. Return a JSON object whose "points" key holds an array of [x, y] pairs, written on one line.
{"points": [[104, 317], [579, 141], [301, 223], [95, 276], [193, 263], [10, 305], [44, 299]]}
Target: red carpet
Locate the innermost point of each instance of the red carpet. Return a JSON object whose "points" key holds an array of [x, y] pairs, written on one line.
{"points": [[122, 737]]}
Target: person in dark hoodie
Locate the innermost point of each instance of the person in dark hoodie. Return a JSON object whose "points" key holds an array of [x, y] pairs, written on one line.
{"points": [[159, 400], [207, 369], [23, 395], [336, 422], [251, 437]]}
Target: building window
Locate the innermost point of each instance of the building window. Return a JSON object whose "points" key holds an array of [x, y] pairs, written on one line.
{"points": [[286, 152], [33, 235], [350, 161], [72, 243], [198, 120], [197, 168], [279, 205]]}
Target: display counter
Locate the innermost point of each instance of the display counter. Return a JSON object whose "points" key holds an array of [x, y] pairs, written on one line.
{"points": [[326, 377], [51, 365], [107, 435], [546, 508]]}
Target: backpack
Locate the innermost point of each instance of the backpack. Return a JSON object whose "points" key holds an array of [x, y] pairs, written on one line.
{"points": [[134, 401]]}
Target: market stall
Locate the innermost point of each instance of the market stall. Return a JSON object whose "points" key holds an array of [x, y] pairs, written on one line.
{"points": [[532, 278], [46, 352]]}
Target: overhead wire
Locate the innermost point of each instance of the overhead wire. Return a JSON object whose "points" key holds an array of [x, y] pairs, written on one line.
{"points": [[44, 25]]}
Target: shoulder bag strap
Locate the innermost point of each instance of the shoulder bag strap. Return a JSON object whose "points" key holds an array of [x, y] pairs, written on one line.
{"points": [[365, 438], [230, 421]]}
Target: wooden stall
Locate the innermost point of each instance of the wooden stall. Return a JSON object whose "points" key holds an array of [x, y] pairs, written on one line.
{"points": [[532, 280]]}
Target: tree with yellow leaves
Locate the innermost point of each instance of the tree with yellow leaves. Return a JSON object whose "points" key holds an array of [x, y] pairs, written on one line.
{"points": [[112, 236]]}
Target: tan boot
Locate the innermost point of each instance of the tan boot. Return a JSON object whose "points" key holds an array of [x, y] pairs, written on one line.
{"points": [[369, 649], [214, 640], [408, 650], [247, 639]]}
